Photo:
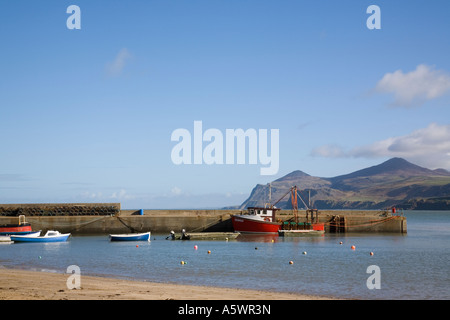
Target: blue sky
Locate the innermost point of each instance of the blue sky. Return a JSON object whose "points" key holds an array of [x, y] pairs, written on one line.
{"points": [[87, 115]]}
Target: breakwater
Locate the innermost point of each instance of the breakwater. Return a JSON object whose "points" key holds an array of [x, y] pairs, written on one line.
{"points": [[163, 221]]}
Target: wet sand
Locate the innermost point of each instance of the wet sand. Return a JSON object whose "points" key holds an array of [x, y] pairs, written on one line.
{"points": [[34, 285]]}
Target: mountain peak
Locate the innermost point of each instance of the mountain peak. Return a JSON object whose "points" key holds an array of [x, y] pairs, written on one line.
{"points": [[398, 163], [293, 175], [395, 165]]}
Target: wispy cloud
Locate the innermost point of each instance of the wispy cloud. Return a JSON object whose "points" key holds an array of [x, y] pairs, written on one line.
{"points": [[176, 191], [428, 146], [115, 68], [414, 88], [12, 177]]}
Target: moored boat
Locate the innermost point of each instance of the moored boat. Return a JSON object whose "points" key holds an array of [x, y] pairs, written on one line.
{"points": [[204, 236], [300, 233], [21, 228], [262, 219], [50, 236], [257, 220], [130, 237]]}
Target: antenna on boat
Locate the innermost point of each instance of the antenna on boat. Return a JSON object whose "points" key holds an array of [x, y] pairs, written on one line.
{"points": [[269, 204], [309, 198], [294, 202], [270, 192]]}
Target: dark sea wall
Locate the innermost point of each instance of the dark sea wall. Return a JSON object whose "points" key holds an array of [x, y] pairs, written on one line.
{"points": [[163, 221]]}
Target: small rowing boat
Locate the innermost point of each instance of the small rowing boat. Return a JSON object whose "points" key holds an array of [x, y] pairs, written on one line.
{"points": [[50, 236], [130, 237]]}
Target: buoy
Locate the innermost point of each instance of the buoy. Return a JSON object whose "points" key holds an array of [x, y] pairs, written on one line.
{"points": [[137, 246], [291, 262], [371, 253], [209, 251], [304, 252], [340, 242], [353, 247], [226, 239], [273, 241], [40, 257], [256, 248], [182, 262], [195, 247]]}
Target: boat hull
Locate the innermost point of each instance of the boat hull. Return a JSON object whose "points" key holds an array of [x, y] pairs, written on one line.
{"points": [[247, 225], [130, 237], [26, 238], [12, 229]]}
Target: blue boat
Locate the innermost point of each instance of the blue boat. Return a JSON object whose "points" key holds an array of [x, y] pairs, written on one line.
{"points": [[50, 236], [130, 237]]}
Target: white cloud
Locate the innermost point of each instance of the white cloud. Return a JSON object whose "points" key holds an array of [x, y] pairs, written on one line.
{"points": [[116, 67], [99, 196], [328, 151], [176, 191], [415, 87], [121, 195], [428, 147]]}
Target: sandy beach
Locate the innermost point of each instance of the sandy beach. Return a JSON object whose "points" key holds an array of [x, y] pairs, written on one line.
{"points": [[33, 285]]}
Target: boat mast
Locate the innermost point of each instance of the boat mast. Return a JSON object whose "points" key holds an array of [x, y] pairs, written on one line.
{"points": [[294, 203], [270, 192], [269, 204]]}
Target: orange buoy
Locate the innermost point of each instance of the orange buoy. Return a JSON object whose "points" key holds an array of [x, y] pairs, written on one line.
{"points": [[371, 253], [209, 251], [353, 247], [291, 262], [137, 246]]}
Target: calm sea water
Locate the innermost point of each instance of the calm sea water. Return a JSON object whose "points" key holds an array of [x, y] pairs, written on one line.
{"points": [[412, 266]]}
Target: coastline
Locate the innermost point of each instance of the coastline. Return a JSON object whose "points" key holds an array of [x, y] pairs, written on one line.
{"points": [[17, 284]]}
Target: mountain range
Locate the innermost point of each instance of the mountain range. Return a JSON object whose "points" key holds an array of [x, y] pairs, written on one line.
{"points": [[395, 182]]}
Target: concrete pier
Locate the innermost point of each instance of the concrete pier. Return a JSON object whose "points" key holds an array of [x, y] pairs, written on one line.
{"points": [[163, 221]]}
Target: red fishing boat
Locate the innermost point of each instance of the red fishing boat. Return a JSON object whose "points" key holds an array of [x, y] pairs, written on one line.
{"points": [[22, 227], [256, 220], [262, 219]]}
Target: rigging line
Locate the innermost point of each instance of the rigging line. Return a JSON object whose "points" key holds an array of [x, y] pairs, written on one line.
{"points": [[302, 201], [90, 222], [207, 226], [129, 227], [371, 223]]}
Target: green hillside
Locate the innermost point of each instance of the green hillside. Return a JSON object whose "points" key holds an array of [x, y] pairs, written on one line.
{"points": [[395, 182]]}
